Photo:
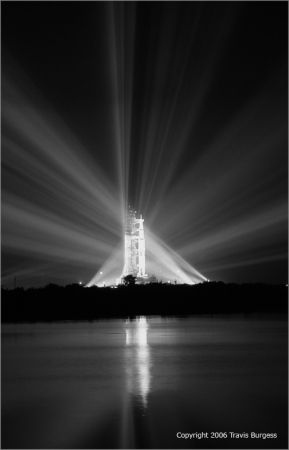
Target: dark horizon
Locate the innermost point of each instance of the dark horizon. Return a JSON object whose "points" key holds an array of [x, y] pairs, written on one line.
{"points": [[157, 282], [76, 303]]}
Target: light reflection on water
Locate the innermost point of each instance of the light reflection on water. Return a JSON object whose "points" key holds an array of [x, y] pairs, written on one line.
{"points": [[136, 383], [138, 358]]}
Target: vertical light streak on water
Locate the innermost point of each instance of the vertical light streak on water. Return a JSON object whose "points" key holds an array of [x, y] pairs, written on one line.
{"points": [[110, 384], [138, 377], [138, 359]]}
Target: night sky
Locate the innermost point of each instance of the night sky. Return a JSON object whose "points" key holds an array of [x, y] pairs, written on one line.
{"points": [[179, 109]]}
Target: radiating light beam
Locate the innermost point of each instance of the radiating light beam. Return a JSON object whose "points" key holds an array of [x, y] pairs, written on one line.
{"points": [[208, 174]]}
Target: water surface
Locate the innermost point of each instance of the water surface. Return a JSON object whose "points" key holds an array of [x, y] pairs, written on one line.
{"points": [[145, 383]]}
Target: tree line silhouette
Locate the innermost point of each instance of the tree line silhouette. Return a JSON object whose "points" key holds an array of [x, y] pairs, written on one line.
{"points": [[75, 302]]}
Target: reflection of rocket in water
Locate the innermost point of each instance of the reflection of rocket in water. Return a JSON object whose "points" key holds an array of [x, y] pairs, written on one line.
{"points": [[138, 358]]}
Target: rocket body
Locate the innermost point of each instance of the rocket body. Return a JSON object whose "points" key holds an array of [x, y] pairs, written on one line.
{"points": [[141, 249], [134, 246]]}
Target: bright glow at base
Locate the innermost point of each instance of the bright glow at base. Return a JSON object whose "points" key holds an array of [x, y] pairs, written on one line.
{"points": [[217, 202], [161, 261]]}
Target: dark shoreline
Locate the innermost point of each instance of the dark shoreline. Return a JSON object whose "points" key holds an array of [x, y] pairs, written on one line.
{"points": [[74, 302]]}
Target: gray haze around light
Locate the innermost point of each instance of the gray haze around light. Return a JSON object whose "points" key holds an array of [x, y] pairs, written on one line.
{"points": [[180, 111]]}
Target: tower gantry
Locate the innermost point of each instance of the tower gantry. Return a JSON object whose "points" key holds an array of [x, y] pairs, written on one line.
{"points": [[134, 245]]}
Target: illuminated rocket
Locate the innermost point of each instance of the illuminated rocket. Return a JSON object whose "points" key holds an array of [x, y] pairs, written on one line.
{"points": [[134, 246], [141, 248]]}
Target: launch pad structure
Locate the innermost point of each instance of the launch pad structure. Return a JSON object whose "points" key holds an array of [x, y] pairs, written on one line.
{"points": [[134, 246], [170, 267], [158, 258]]}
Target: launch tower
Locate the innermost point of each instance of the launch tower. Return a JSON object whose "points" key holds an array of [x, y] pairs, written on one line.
{"points": [[134, 246]]}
